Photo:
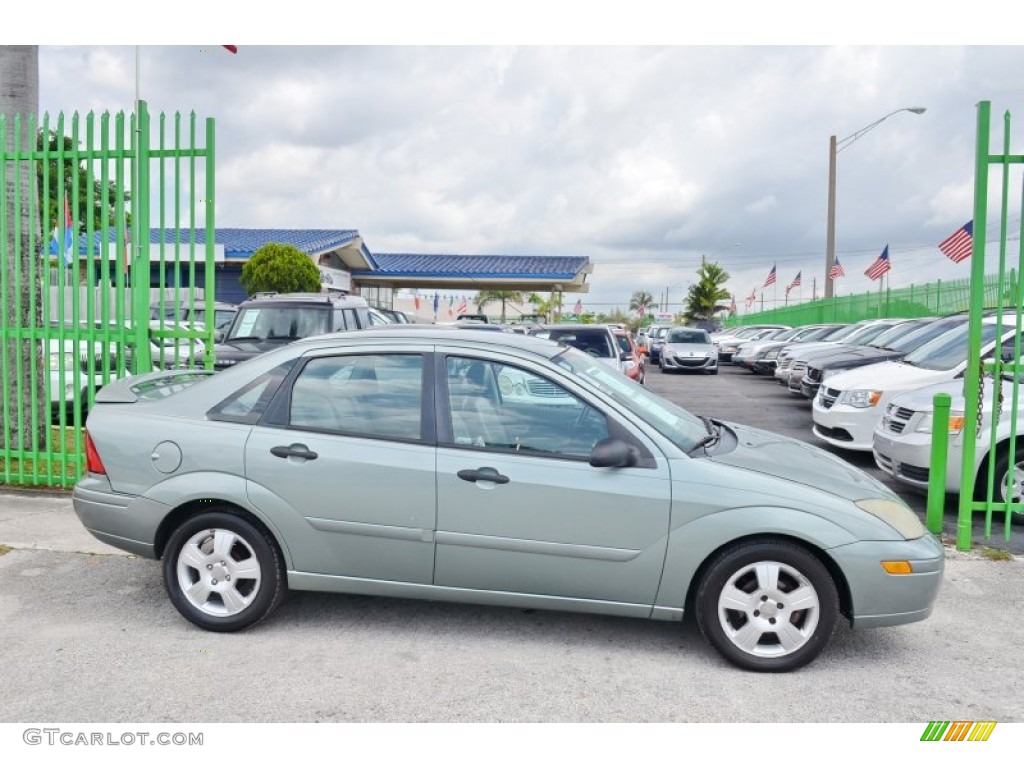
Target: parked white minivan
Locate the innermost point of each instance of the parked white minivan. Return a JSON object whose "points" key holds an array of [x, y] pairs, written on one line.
{"points": [[849, 405]]}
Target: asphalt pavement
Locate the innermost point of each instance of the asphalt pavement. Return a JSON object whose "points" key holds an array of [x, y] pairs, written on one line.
{"points": [[87, 634]]}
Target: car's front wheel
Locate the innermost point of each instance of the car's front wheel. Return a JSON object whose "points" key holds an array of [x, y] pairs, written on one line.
{"points": [[223, 573], [1009, 486], [767, 605]]}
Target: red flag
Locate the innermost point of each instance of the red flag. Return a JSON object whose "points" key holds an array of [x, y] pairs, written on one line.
{"points": [[232, 48], [416, 301]]}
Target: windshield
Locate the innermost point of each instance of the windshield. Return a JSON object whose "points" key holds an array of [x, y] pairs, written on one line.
{"points": [[676, 424], [950, 349], [687, 336], [924, 334], [279, 323], [593, 341], [863, 334], [888, 338]]}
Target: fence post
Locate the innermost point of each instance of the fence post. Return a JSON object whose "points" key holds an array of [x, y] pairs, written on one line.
{"points": [[937, 474], [141, 357]]}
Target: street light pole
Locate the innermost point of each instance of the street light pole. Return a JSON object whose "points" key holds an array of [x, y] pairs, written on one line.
{"points": [[834, 148]]}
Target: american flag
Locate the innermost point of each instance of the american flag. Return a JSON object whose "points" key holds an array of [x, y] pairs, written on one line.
{"points": [[794, 284], [578, 309], [836, 271], [879, 266], [751, 298], [462, 306], [770, 280], [958, 245]]}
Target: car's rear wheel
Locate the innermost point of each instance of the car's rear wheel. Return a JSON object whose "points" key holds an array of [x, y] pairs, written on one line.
{"points": [[223, 573], [767, 605]]}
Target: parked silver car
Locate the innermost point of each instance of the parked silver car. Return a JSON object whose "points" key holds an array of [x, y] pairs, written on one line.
{"points": [[493, 468], [688, 349]]}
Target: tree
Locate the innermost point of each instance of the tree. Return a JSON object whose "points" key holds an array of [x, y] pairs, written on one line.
{"points": [[281, 268], [485, 297], [27, 405], [705, 296], [64, 175], [641, 300]]}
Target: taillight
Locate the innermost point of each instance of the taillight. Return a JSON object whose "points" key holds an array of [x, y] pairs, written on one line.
{"points": [[93, 463]]}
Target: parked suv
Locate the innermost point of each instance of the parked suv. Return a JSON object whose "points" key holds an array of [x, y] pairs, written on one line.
{"points": [[267, 321], [598, 341]]}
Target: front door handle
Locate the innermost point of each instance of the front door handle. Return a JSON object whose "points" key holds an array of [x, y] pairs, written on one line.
{"points": [[298, 451], [486, 474]]}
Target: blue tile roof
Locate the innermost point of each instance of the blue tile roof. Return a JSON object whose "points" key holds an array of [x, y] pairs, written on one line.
{"points": [[475, 266], [243, 243]]}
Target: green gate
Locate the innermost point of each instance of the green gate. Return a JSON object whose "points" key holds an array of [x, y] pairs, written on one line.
{"points": [[101, 220], [992, 456]]}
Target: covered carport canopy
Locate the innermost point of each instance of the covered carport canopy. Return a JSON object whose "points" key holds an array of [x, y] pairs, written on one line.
{"points": [[474, 272]]}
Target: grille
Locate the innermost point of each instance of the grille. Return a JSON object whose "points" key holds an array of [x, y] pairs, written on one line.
{"points": [[914, 473], [827, 397], [542, 388], [814, 374], [896, 420], [688, 362]]}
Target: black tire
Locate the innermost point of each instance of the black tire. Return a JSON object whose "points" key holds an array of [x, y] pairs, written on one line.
{"points": [[999, 494], [795, 568], [713, 372], [259, 586]]}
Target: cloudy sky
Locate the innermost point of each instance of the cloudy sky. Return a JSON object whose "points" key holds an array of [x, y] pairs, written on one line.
{"points": [[643, 158]]}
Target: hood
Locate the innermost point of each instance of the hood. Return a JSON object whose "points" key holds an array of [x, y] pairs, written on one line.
{"points": [[921, 399], [796, 461], [247, 348], [886, 376], [854, 356], [703, 349]]}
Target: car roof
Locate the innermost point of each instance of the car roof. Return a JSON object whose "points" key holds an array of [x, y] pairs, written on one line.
{"points": [[305, 298], [419, 333]]}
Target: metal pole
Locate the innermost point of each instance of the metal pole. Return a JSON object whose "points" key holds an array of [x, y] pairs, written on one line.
{"points": [[830, 237]]}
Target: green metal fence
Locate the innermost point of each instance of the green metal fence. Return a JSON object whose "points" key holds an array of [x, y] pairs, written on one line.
{"points": [[990, 425], [938, 298], [79, 265]]}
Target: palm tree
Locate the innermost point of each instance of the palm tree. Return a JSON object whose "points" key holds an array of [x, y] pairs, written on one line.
{"points": [[19, 96], [484, 297], [641, 300], [707, 294]]}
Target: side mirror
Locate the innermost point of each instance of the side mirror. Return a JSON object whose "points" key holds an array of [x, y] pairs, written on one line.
{"points": [[626, 356], [218, 337], [613, 452]]}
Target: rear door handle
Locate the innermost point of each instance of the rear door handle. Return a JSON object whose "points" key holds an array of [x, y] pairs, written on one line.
{"points": [[486, 474], [298, 451]]}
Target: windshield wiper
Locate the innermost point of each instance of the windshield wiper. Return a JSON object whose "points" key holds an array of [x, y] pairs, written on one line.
{"points": [[713, 436]]}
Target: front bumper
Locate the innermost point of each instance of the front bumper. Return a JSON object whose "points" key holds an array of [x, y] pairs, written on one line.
{"points": [[907, 458], [844, 426], [880, 599], [673, 363]]}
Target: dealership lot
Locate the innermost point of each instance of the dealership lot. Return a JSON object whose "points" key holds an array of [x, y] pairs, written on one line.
{"points": [[88, 635]]}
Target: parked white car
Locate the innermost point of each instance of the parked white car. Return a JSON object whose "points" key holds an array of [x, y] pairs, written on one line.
{"points": [[902, 442], [849, 405]]}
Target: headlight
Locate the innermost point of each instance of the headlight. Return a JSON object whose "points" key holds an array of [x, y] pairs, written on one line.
{"points": [[955, 427], [771, 354], [862, 398], [899, 516]]}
